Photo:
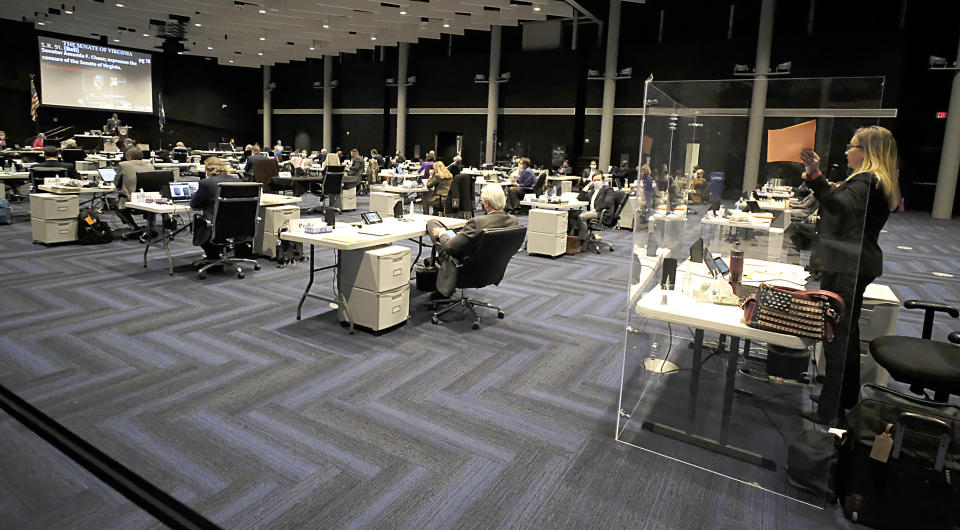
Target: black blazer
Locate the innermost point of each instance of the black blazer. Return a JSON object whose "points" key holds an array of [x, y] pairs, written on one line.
{"points": [[455, 168], [248, 172], [206, 196], [606, 200], [851, 217], [71, 169]]}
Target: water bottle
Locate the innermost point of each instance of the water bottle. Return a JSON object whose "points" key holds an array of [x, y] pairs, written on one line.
{"points": [[736, 268]]}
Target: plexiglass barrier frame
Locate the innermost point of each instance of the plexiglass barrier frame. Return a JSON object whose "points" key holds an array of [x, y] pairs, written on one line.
{"points": [[698, 384]]}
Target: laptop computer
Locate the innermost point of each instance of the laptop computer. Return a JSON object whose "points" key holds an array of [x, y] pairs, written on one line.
{"points": [[183, 191], [107, 174]]}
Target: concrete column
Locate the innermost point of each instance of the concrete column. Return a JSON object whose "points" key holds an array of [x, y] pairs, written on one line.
{"points": [[493, 95], [946, 192], [609, 85], [267, 108], [327, 103], [758, 103], [403, 56]]}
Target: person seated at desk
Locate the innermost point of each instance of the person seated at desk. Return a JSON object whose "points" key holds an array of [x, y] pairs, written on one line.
{"points": [[525, 182], [353, 176], [205, 199], [126, 180], [565, 169], [51, 158], [699, 185], [38, 142], [233, 144], [163, 156], [426, 167], [278, 149], [599, 197], [456, 167], [397, 159], [589, 173], [5, 142], [621, 174], [180, 152], [255, 155], [464, 243], [440, 184]]}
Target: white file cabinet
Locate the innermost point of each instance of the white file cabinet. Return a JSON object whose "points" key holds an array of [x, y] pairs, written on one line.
{"points": [[547, 232], [383, 203], [273, 218], [54, 217], [628, 214], [376, 283], [346, 200]]}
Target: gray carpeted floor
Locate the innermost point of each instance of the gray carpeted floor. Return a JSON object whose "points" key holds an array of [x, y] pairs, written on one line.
{"points": [[213, 391]]}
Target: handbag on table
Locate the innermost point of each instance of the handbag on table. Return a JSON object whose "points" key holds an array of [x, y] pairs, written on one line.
{"points": [[812, 314]]}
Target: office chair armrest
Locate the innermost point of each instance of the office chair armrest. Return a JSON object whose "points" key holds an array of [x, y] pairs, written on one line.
{"points": [[930, 310], [954, 337], [932, 306]]}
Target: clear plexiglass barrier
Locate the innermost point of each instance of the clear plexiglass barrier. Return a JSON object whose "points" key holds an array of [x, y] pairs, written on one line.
{"points": [[700, 383]]}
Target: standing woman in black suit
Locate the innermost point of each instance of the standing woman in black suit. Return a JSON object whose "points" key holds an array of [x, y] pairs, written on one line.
{"points": [[852, 213]]}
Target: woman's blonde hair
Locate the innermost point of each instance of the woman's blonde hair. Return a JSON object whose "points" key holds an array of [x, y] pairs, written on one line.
{"points": [[441, 171], [214, 166], [880, 158]]}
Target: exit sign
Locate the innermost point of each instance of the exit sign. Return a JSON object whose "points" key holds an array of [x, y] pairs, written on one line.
{"points": [[941, 115]]}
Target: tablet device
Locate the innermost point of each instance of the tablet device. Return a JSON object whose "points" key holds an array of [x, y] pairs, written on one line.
{"points": [[371, 218], [721, 266], [708, 261]]}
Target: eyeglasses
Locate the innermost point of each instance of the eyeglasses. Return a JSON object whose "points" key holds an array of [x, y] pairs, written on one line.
{"points": [[851, 146]]}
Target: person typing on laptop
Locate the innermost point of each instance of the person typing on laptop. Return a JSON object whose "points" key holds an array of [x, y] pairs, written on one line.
{"points": [[206, 196]]}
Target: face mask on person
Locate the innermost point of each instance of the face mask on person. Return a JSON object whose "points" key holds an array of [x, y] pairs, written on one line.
{"points": [[598, 184], [592, 167]]}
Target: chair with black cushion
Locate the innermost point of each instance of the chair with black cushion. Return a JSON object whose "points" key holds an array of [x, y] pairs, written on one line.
{"points": [[234, 221], [455, 203], [37, 174], [597, 225], [264, 170], [72, 155], [921, 362], [486, 266]]}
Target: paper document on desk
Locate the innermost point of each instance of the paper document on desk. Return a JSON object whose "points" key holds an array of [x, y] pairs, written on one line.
{"points": [[785, 145]]}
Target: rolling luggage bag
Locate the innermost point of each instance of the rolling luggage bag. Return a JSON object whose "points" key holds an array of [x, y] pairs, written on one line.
{"points": [[902, 466]]}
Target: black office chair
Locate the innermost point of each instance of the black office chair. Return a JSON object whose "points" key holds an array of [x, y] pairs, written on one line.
{"points": [[922, 363], [485, 266], [72, 155], [597, 225], [459, 201], [37, 174], [234, 221], [180, 154]]}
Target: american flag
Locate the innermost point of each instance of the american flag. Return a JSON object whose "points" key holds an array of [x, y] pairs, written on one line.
{"points": [[161, 113], [34, 100]]}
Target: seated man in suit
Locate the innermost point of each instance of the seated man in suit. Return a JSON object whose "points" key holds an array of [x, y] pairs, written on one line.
{"points": [[126, 180], [525, 181], [206, 198], [565, 169], [588, 174], [456, 167], [464, 243], [51, 158], [255, 154], [354, 174], [599, 197]]}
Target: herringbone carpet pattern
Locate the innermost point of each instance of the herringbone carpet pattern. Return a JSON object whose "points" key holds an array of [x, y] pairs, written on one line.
{"points": [[217, 394]]}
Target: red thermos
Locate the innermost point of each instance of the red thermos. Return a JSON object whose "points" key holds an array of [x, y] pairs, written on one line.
{"points": [[736, 269]]}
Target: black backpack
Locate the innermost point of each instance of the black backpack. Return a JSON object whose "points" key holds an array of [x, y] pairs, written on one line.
{"points": [[288, 252], [91, 230]]}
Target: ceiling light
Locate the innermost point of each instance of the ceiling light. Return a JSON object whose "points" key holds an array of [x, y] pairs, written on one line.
{"points": [[373, 38], [537, 9], [263, 11], [446, 25], [312, 48], [259, 53], [403, 12], [325, 26], [146, 34], [179, 53], [209, 47], [67, 11], [263, 38], [41, 24], [231, 60], [119, 5], [199, 25]]}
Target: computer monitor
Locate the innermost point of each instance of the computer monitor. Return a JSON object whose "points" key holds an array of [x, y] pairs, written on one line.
{"points": [[154, 181], [224, 146], [107, 174], [72, 155]]}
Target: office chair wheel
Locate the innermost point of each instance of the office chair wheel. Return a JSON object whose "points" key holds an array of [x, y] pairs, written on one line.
{"points": [[256, 267], [476, 325], [202, 275], [434, 319], [597, 250], [500, 314], [611, 248], [240, 274]]}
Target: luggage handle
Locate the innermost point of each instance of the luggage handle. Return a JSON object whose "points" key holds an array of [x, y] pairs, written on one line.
{"points": [[908, 418]]}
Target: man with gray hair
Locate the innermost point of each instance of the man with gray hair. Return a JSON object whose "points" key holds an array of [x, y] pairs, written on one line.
{"points": [[459, 245]]}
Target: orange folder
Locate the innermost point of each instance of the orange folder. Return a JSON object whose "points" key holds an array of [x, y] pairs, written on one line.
{"points": [[785, 145]]}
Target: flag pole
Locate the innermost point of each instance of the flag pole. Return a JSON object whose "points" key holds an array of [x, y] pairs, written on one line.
{"points": [[34, 105]]}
